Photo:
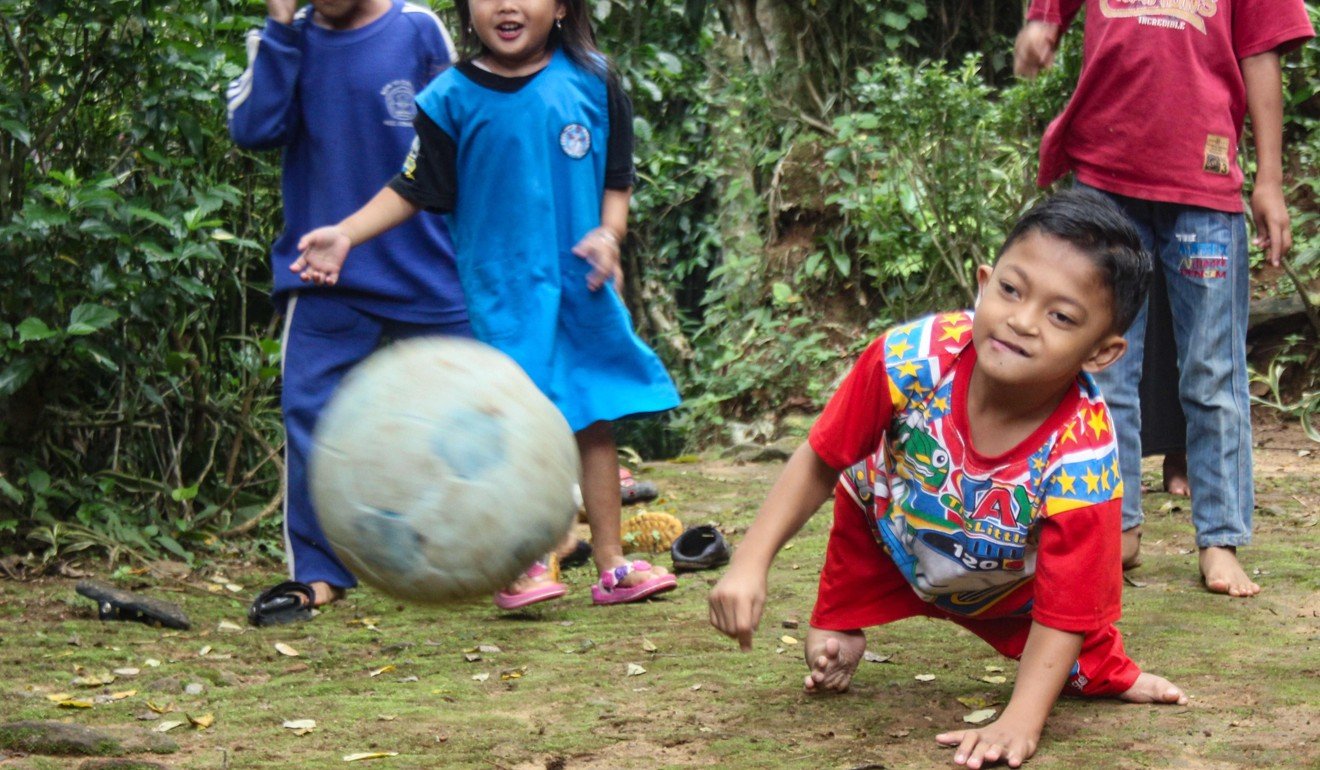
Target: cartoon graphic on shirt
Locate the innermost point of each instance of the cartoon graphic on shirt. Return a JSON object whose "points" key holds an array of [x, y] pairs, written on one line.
{"points": [[961, 531], [1176, 14]]}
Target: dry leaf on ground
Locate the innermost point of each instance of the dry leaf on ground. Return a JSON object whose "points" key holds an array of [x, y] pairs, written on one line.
{"points": [[369, 755], [285, 649], [980, 716]]}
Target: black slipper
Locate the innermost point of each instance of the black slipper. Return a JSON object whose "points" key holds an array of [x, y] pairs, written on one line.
{"points": [[288, 602], [633, 491], [700, 547], [115, 604], [580, 555]]}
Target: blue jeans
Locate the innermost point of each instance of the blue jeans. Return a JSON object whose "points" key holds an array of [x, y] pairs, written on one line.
{"points": [[1203, 256]]}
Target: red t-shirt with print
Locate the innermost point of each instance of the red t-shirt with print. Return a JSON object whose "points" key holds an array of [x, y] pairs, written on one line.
{"points": [[1158, 109]]}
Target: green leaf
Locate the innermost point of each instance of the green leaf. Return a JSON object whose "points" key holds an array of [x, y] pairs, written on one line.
{"points": [[10, 491], [173, 545], [782, 292], [895, 20], [841, 262], [18, 130], [16, 375], [184, 493], [150, 216], [32, 329], [88, 318]]}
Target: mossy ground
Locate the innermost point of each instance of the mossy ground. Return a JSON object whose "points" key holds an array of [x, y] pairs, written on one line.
{"points": [[557, 694]]}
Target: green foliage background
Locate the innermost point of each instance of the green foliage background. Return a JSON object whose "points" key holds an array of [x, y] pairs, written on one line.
{"points": [[802, 185]]}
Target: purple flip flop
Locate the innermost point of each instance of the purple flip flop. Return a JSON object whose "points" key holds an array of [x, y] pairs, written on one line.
{"points": [[610, 591]]}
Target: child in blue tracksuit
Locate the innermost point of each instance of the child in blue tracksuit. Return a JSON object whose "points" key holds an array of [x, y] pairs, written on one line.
{"points": [[333, 85], [528, 149]]}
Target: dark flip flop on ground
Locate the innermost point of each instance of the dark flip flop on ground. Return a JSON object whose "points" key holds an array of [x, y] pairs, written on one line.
{"points": [[633, 491], [115, 604], [700, 547], [288, 602], [581, 554]]}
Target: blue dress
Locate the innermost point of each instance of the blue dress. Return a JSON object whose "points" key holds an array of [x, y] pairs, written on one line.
{"points": [[529, 178]]}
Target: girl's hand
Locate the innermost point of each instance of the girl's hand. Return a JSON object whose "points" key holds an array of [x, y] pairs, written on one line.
{"points": [[999, 741], [321, 255], [600, 248], [736, 603]]}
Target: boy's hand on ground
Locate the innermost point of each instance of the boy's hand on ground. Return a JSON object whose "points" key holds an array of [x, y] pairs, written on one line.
{"points": [[321, 255], [999, 741], [1273, 226], [600, 248], [736, 603], [1034, 49]]}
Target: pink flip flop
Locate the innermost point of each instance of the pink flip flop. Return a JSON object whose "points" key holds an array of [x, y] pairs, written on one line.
{"points": [[610, 591], [540, 592]]}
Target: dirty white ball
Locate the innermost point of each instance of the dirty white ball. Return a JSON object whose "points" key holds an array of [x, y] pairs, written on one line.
{"points": [[440, 472]]}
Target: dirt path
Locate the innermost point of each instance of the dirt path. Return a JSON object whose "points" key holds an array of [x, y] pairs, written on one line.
{"points": [[554, 688]]}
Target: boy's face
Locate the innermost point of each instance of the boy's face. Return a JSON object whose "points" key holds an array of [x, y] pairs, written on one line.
{"points": [[1044, 313]]}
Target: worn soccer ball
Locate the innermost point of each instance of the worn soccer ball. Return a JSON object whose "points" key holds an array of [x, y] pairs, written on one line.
{"points": [[440, 472]]}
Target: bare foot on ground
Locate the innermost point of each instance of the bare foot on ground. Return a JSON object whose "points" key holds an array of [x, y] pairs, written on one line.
{"points": [[832, 657], [1222, 573], [1150, 688], [1132, 547], [325, 593], [1175, 474]]}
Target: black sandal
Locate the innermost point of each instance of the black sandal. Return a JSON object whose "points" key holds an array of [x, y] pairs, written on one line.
{"points": [[581, 554], [288, 602], [114, 604]]}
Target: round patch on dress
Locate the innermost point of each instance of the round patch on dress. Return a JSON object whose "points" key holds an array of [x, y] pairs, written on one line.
{"points": [[575, 140]]}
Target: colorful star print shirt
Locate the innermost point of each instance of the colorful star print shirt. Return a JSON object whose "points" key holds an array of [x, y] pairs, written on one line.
{"points": [[1034, 530]]}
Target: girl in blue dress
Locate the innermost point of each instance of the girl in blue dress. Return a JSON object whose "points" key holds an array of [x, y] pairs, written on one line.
{"points": [[526, 146]]}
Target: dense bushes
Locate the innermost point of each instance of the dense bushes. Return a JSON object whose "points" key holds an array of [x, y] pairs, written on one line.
{"points": [[790, 204], [136, 404]]}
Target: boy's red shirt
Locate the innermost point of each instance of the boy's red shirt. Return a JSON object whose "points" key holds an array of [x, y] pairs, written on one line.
{"points": [[1035, 529], [1158, 109]]}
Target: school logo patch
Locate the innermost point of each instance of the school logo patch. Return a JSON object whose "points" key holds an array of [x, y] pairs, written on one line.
{"points": [[575, 140], [399, 102]]}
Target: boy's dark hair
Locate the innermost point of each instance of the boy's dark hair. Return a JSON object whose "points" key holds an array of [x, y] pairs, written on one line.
{"points": [[1098, 228], [573, 34]]}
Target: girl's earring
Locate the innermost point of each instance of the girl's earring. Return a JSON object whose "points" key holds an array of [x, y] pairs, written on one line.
{"points": [[559, 24]]}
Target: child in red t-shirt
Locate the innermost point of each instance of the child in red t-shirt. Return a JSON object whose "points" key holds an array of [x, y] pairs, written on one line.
{"points": [[1154, 123], [980, 481]]}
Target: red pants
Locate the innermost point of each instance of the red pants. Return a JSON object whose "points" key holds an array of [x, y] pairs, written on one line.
{"points": [[860, 587]]}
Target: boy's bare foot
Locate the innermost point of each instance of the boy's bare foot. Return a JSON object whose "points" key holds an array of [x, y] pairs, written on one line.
{"points": [[1222, 574], [1150, 688], [832, 657], [1132, 547], [1175, 474]]}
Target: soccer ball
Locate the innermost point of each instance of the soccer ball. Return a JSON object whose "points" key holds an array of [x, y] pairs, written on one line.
{"points": [[440, 472]]}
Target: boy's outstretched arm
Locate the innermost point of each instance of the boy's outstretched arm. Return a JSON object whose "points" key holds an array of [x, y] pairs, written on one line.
{"points": [[321, 253], [1263, 77], [1048, 657], [737, 600]]}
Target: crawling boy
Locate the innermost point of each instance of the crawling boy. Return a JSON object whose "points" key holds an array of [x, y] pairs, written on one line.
{"points": [[979, 481]]}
